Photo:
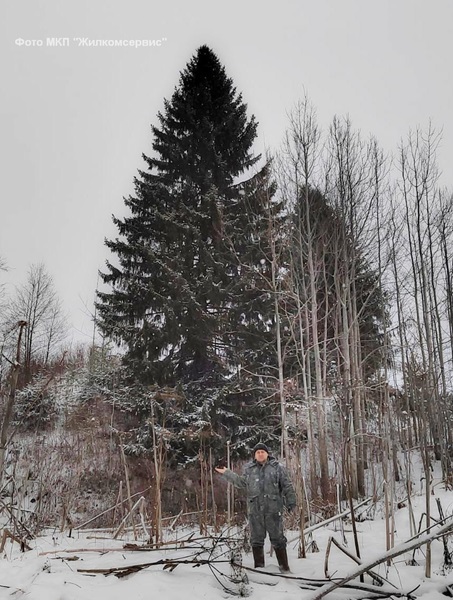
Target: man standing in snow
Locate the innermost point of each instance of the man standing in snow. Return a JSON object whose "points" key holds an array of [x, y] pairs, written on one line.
{"points": [[269, 490]]}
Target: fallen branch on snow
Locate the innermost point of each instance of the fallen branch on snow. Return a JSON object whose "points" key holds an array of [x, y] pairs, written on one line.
{"points": [[310, 584], [411, 544], [341, 515], [168, 563], [377, 578]]}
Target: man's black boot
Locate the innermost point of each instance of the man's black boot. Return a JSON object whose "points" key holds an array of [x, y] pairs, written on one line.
{"points": [[282, 558], [258, 555]]}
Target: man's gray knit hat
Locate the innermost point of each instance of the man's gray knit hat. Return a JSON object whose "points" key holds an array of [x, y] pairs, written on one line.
{"points": [[261, 446]]}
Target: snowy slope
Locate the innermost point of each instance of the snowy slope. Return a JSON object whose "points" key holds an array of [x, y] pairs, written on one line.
{"points": [[52, 569]]}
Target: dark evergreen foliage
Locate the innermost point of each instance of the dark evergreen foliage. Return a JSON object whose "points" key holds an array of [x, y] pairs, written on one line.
{"points": [[335, 255], [35, 406], [190, 297]]}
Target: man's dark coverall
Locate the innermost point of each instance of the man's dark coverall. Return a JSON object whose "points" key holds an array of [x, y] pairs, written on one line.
{"points": [[268, 489]]}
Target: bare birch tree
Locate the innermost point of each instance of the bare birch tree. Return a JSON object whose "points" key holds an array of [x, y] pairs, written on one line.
{"points": [[301, 158], [337, 194], [426, 375], [37, 303], [355, 177]]}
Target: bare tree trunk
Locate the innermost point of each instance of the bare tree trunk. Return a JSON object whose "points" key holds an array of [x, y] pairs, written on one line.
{"points": [[7, 416], [419, 175], [284, 450], [158, 455], [309, 138], [301, 152]]}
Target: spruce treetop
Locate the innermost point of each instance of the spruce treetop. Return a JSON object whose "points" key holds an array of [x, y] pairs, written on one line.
{"points": [[204, 129]]}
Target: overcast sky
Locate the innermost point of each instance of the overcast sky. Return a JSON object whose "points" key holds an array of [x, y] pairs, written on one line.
{"points": [[75, 120]]}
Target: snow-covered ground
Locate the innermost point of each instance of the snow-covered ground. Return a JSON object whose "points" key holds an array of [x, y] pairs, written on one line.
{"points": [[53, 568]]}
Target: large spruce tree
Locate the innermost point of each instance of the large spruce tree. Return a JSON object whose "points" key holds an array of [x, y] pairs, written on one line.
{"points": [[189, 297]]}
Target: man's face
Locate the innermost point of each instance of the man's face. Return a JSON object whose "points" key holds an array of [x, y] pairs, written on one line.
{"points": [[261, 456]]}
